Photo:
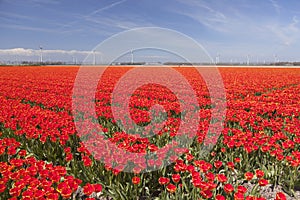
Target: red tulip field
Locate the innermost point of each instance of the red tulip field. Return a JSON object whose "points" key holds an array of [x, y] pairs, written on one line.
{"points": [[63, 138]]}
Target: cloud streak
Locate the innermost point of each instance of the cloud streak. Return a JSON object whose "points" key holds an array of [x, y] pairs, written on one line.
{"points": [[91, 14], [204, 14], [275, 6], [28, 28], [106, 7], [287, 34]]}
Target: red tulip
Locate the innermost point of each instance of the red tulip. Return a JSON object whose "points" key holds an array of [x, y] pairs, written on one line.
{"points": [[228, 188], [171, 188], [136, 180], [248, 176], [280, 196], [176, 178], [221, 178], [259, 173], [88, 189], [263, 182], [163, 180]]}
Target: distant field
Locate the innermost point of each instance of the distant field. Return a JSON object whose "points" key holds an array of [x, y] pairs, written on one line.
{"points": [[175, 66]]}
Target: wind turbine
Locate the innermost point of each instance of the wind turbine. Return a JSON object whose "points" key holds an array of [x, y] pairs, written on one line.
{"points": [[218, 59], [101, 58], [73, 60], [275, 59], [131, 53], [41, 54], [248, 59], [94, 52]]}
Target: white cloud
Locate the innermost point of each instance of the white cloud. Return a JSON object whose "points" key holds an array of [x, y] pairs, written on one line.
{"points": [[287, 34], [244, 28], [275, 5], [33, 52], [21, 54]]}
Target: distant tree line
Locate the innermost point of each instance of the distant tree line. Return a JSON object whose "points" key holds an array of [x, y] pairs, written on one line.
{"points": [[32, 63], [43, 63]]}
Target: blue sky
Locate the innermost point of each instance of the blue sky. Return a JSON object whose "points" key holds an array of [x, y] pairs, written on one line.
{"points": [[233, 29]]}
